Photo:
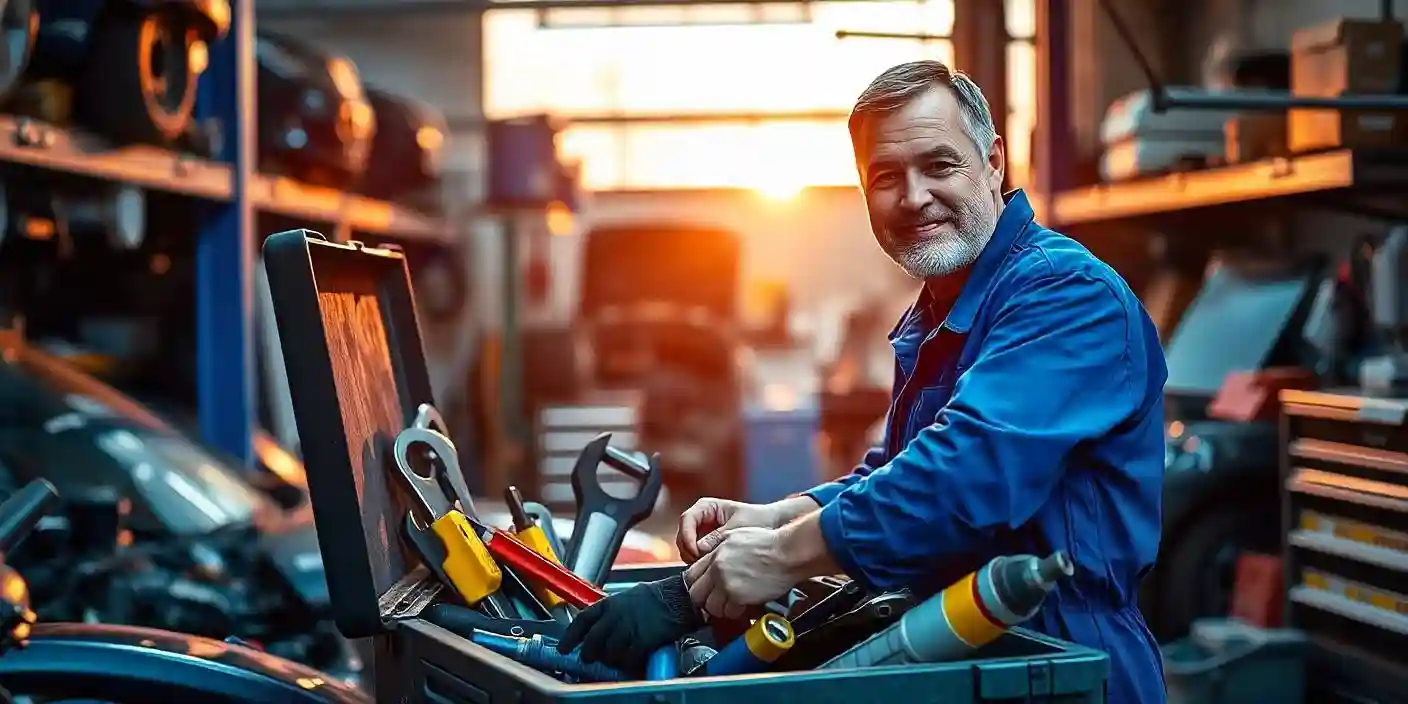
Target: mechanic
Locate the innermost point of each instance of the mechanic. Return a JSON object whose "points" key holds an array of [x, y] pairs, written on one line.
{"points": [[1027, 415]]}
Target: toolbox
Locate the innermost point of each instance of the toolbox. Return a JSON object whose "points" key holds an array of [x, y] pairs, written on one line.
{"points": [[357, 375], [1345, 496]]}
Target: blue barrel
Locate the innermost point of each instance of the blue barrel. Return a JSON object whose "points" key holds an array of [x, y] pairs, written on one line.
{"points": [[523, 170]]}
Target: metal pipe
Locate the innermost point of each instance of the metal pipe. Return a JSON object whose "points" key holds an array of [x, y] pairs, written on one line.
{"points": [[321, 8], [1277, 102], [849, 34]]}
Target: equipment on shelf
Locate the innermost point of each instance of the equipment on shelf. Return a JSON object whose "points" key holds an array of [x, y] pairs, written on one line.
{"points": [[1388, 304], [315, 123], [19, 29], [407, 151], [133, 66]]}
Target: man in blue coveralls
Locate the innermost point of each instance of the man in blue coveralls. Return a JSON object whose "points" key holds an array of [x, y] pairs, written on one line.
{"points": [[1027, 414]]}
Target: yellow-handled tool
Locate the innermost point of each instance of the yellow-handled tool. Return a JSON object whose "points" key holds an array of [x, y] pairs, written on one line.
{"points": [[446, 542], [531, 534]]}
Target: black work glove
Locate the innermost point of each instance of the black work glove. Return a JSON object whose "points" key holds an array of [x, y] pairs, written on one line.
{"points": [[622, 630]]}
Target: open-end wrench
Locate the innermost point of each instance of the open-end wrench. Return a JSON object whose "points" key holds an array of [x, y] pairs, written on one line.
{"points": [[602, 519], [428, 418]]}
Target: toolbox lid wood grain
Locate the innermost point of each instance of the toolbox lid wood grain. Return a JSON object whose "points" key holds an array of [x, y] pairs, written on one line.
{"points": [[351, 342]]}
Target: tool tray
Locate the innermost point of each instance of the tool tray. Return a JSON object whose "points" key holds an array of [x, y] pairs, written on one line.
{"points": [[347, 324]]}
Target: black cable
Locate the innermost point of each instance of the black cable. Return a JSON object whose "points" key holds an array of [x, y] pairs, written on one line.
{"points": [[1156, 86]]}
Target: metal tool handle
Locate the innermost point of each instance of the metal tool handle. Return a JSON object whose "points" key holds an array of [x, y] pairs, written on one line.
{"points": [[20, 513], [427, 489], [603, 519], [625, 462], [429, 418]]}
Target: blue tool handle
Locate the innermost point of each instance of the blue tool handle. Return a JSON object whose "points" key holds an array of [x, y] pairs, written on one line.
{"points": [[664, 664], [541, 653], [735, 659]]}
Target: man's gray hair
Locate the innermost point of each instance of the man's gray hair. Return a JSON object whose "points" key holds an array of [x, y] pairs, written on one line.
{"points": [[898, 86]]}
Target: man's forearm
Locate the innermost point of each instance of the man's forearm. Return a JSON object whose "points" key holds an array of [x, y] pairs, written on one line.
{"points": [[803, 550], [793, 508]]}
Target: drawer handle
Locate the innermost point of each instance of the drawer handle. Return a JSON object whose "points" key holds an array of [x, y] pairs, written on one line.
{"points": [[1352, 489], [1328, 451]]}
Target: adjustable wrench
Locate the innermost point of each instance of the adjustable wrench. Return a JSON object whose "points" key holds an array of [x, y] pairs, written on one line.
{"points": [[602, 519]]}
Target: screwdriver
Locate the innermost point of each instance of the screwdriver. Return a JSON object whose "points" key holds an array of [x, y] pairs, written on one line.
{"points": [[531, 534], [536, 569], [541, 653], [756, 650]]}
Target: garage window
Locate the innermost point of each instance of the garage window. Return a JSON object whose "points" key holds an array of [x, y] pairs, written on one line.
{"points": [[708, 96]]}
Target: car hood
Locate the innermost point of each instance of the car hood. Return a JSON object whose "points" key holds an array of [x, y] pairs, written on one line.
{"points": [[290, 542]]}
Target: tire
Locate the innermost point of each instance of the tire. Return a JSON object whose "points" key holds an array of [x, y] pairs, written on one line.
{"points": [[139, 84], [1194, 577]]}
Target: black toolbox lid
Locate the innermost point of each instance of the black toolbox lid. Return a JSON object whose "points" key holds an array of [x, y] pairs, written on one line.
{"points": [[356, 368]]}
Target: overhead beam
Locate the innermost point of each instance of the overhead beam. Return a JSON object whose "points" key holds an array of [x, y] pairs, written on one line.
{"points": [[299, 9]]}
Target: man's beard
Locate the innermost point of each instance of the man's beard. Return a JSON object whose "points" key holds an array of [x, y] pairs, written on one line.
{"points": [[933, 256]]}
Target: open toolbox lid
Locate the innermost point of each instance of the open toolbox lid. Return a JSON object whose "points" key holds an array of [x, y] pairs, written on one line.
{"points": [[357, 376]]}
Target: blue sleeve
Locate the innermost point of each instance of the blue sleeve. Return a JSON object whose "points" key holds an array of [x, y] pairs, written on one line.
{"points": [[824, 494], [1056, 368]]}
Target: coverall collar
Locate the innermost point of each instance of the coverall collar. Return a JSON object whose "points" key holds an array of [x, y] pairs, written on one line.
{"points": [[1016, 216]]}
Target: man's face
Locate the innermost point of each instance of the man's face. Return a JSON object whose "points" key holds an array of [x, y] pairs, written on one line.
{"points": [[933, 195]]}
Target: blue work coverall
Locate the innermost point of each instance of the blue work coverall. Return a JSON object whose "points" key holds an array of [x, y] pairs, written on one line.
{"points": [[1029, 420]]}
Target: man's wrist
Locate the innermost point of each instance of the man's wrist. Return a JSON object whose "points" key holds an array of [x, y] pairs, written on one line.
{"points": [[791, 508], [802, 549]]}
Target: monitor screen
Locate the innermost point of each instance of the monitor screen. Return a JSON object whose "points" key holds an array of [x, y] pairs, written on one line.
{"points": [[1233, 325]]}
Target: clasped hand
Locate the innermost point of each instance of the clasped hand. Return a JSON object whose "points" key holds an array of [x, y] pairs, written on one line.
{"points": [[744, 569]]}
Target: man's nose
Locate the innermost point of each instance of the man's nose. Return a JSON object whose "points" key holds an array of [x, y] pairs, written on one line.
{"points": [[916, 196]]}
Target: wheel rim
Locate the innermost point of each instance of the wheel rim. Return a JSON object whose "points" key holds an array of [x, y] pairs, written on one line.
{"points": [[164, 67]]}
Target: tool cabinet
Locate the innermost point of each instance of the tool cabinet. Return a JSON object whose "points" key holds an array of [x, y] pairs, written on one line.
{"points": [[357, 376], [1345, 510]]}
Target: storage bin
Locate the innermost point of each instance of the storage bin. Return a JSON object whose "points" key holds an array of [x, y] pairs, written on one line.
{"points": [[1228, 662]]}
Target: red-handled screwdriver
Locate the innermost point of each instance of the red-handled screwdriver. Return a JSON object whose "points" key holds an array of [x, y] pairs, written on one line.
{"points": [[536, 569]]}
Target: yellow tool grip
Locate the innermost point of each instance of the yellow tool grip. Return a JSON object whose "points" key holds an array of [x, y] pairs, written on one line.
{"points": [[537, 540], [468, 564]]}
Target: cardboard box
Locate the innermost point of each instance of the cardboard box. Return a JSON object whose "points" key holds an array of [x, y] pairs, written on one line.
{"points": [[1311, 130], [1346, 56], [1255, 136]]}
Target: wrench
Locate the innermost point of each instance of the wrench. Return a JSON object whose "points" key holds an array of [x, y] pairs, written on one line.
{"points": [[602, 519], [428, 418]]}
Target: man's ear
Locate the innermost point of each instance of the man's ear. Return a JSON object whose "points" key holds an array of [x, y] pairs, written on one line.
{"points": [[997, 163]]}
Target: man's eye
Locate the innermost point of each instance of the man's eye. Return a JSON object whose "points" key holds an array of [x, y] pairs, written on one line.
{"points": [[941, 167], [883, 180]]}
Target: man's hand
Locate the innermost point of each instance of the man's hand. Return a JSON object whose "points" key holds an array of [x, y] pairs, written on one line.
{"points": [[622, 630], [752, 566], [746, 569], [703, 525]]}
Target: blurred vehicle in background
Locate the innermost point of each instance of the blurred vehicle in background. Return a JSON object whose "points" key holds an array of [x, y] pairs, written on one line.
{"points": [[201, 549], [658, 314], [1222, 454]]}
